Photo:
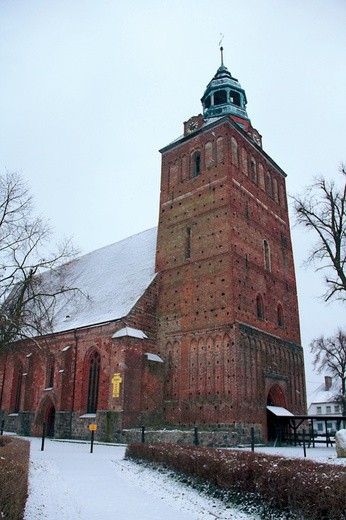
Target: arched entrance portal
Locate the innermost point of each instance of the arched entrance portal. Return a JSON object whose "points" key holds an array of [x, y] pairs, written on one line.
{"points": [[45, 417], [275, 425], [50, 421]]}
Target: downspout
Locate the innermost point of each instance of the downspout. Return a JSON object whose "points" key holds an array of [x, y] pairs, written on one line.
{"points": [[3, 380], [74, 379]]}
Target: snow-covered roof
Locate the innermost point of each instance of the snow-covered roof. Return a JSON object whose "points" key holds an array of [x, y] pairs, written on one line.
{"points": [[110, 281], [279, 411], [129, 331], [321, 395], [153, 357]]}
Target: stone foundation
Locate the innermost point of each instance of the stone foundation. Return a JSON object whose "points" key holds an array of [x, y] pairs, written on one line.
{"points": [[218, 437], [76, 426]]}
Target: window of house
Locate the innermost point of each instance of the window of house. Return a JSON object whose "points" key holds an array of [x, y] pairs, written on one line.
{"points": [[320, 427], [337, 408], [328, 409], [196, 164], [93, 382], [266, 255], [187, 243], [259, 307], [319, 409]]}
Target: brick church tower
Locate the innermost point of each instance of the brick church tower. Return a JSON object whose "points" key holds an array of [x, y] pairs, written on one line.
{"points": [[228, 311]]}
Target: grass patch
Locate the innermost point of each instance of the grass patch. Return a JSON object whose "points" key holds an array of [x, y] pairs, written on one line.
{"points": [[291, 488], [14, 468]]}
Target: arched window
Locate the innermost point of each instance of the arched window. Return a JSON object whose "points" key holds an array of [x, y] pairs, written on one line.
{"points": [[266, 255], [261, 180], [208, 154], [219, 150], [259, 307], [253, 170], [187, 243], [195, 164], [93, 382], [235, 154], [50, 373], [244, 161], [269, 185], [280, 316], [275, 190]]}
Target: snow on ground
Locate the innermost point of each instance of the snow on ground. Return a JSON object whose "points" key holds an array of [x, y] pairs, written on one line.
{"points": [[67, 482], [319, 454]]}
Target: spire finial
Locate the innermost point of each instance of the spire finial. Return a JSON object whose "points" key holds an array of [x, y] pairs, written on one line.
{"points": [[221, 48]]}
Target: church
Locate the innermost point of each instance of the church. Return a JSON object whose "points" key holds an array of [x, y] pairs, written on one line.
{"points": [[193, 324]]}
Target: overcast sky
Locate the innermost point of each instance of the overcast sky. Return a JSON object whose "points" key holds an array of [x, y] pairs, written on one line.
{"points": [[90, 90]]}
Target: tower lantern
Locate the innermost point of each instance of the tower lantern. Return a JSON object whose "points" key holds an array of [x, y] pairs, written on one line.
{"points": [[224, 95]]}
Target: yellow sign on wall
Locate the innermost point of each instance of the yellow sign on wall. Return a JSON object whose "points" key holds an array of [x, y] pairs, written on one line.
{"points": [[116, 381]]}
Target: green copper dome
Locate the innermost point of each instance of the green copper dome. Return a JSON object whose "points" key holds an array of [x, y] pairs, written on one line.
{"points": [[224, 95]]}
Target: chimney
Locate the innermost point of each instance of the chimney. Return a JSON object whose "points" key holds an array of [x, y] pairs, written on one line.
{"points": [[327, 383]]}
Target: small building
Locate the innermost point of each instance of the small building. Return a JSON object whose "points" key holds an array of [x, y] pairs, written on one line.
{"points": [[324, 403]]}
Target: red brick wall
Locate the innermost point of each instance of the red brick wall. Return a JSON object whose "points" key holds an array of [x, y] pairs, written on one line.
{"points": [[124, 356], [207, 288]]}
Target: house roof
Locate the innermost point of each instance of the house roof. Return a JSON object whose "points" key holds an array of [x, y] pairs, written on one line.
{"points": [[110, 281], [321, 395]]}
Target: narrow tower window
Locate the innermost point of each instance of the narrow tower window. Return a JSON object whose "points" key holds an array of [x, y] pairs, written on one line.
{"points": [[187, 243], [253, 170], [196, 164], [259, 307], [266, 253], [280, 316], [93, 382], [50, 374], [219, 150], [269, 185], [235, 153]]}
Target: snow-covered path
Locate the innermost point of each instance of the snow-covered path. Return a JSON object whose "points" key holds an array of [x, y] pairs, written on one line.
{"points": [[67, 482]]}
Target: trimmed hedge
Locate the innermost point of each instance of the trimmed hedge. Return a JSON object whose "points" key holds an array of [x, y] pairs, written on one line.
{"points": [[294, 487], [14, 467]]}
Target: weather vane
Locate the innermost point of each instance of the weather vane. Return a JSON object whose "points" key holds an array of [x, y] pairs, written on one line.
{"points": [[221, 48]]}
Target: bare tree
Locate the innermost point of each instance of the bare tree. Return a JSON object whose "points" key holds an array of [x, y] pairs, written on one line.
{"points": [[322, 208], [330, 354], [32, 275]]}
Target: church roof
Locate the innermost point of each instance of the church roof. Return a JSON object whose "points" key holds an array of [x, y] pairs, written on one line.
{"points": [[110, 281]]}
